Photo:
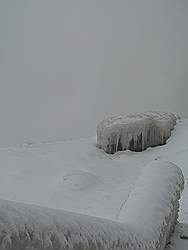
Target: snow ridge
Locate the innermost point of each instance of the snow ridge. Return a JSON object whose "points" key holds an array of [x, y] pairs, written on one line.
{"points": [[136, 131], [146, 221]]}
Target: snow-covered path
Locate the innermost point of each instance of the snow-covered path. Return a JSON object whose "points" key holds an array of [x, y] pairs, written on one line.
{"points": [[77, 176]]}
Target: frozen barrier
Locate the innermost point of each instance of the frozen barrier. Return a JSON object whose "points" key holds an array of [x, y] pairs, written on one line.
{"points": [[153, 205], [136, 131], [145, 222]]}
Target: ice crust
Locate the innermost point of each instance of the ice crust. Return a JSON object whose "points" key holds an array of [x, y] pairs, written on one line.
{"points": [[145, 222], [136, 131]]}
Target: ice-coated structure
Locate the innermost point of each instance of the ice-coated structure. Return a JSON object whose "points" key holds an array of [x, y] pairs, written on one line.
{"points": [[145, 222], [136, 131], [153, 205]]}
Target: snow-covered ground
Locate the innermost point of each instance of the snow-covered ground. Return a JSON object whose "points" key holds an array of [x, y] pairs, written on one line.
{"points": [[77, 176]]}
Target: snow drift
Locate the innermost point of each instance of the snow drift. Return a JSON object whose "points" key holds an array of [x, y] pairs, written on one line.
{"points": [[145, 222], [136, 131]]}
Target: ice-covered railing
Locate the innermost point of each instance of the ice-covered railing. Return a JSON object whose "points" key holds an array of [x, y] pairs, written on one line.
{"points": [[145, 222], [153, 205], [136, 131]]}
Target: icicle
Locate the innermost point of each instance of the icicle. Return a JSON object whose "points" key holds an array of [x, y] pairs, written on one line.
{"points": [[117, 142], [137, 131]]}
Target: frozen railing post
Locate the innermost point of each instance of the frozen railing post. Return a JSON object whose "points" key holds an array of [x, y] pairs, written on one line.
{"points": [[145, 223], [136, 131]]}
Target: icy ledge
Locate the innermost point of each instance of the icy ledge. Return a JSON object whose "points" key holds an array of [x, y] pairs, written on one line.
{"points": [[145, 222], [136, 131]]}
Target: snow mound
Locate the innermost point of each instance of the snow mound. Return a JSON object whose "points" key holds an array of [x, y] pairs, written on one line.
{"points": [[136, 131], [79, 180], [148, 219]]}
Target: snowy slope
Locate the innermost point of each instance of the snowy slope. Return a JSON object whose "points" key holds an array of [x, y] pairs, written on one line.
{"points": [[77, 176]]}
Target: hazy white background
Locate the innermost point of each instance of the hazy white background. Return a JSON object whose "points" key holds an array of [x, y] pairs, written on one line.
{"points": [[66, 64]]}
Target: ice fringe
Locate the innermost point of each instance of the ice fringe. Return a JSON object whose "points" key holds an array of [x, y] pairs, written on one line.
{"points": [[145, 223], [136, 131]]}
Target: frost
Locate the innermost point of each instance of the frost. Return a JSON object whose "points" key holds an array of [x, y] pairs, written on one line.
{"points": [[145, 222], [136, 131]]}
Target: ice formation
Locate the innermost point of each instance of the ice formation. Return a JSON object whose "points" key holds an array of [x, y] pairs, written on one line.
{"points": [[136, 131], [145, 222], [153, 205]]}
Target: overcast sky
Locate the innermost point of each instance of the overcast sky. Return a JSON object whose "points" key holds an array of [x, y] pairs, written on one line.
{"points": [[67, 64]]}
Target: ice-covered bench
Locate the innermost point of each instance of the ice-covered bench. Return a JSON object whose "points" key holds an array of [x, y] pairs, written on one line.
{"points": [[136, 131], [146, 221]]}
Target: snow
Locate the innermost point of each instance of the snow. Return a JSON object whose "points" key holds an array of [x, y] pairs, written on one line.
{"points": [[57, 175], [72, 175], [153, 205], [136, 131], [32, 227], [79, 180]]}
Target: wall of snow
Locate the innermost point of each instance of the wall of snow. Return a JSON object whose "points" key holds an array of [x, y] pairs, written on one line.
{"points": [[145, 222], [136, 131]]}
